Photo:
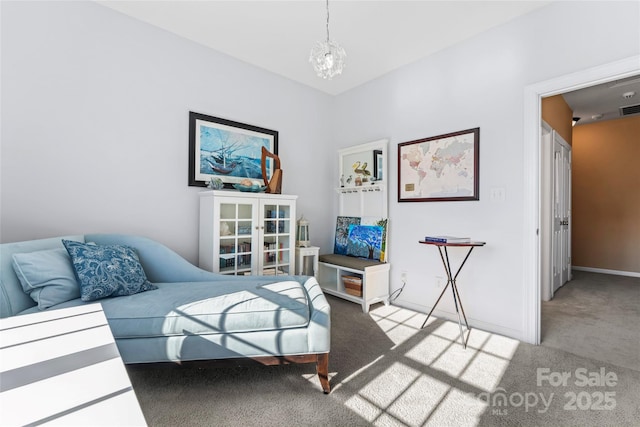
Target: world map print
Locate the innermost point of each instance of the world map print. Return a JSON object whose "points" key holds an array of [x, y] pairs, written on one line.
{"points": [[438, 168]]}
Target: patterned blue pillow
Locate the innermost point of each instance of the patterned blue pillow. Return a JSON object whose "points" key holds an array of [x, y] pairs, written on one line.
{"points": [[107, 270]]}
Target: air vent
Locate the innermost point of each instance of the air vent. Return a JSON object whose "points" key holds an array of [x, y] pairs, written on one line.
{"points": [[623, 82], [629, 110]]}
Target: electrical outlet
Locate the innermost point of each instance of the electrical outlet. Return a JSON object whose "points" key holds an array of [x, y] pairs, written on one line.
{"points": [[440, 281], [403, 277]]}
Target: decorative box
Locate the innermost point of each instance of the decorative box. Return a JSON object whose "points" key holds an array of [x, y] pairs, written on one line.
{"points": [[352, 285]]}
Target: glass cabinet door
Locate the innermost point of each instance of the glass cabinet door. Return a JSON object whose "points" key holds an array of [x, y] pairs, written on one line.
{"points": [[277, 232], [236, 238]]}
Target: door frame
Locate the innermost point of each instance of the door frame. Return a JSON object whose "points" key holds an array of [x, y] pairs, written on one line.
{"points": [[546, 211], [532, 174]]}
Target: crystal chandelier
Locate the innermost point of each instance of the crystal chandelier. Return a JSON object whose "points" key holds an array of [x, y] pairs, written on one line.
{"points": [[327, 57]]}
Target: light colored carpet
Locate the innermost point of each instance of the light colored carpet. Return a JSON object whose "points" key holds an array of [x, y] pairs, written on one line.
{"points": [[386, 371], [597, 316]]}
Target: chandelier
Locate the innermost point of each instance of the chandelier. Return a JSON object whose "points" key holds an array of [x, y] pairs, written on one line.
{"points": [[327, 57]]}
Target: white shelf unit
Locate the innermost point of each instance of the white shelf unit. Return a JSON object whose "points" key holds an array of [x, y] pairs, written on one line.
{"points": [[375, 282], [243, 233], [366, 200]]}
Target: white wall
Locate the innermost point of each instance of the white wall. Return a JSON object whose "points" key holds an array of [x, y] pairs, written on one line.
{"points": [[479, 83], [95, 124], [95, 121]]}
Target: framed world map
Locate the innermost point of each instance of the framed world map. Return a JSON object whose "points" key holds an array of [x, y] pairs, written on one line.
{"points": [[440, 168]]}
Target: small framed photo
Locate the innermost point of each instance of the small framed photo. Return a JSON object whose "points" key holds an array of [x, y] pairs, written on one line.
{"points": [[377, 165], [231, 151], [440, 168]]}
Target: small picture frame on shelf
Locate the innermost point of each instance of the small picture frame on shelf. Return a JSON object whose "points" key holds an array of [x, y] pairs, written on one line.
{"points": [[377, 165]]}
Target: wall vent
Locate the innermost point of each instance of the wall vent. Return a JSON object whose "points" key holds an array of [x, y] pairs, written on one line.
{"points": [[629, 110]]}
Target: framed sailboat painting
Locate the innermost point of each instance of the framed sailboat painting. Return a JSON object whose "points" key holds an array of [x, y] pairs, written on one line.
{"points": [[228, 150]]}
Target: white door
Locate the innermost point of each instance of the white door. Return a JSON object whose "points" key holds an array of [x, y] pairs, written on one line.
{"points": [[561, 241]]}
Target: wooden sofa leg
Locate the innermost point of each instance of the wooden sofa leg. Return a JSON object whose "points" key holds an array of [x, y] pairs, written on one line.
{"points": [[323, 372]]}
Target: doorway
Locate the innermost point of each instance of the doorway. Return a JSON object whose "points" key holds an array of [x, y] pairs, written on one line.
{"points": [[532, 145]]}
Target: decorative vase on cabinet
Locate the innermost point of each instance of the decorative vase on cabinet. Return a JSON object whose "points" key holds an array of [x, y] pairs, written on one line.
{"points": [[247, 233]]}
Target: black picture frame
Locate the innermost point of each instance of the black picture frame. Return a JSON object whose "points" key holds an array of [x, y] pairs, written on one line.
{"points": [[377, 165], [226, 149], [441, 168]]}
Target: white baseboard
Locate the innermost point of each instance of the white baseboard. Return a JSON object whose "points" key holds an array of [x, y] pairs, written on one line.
{"points": [[606, 271], [453, 317]]}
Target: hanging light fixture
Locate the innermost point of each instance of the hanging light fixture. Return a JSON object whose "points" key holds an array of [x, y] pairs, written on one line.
{"points": [[327, 57]]}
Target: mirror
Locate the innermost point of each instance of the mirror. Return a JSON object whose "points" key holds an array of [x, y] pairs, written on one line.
{"points": [[363, 165]]}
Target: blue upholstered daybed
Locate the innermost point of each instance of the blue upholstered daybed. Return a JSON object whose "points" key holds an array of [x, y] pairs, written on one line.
{"points": [[191, 315]]}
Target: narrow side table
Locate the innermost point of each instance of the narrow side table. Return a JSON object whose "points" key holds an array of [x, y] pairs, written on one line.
{"points": [[302, 253], [451, 280]]}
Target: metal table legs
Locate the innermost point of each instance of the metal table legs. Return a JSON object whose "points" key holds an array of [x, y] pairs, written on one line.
{"points": [[451, 280]]}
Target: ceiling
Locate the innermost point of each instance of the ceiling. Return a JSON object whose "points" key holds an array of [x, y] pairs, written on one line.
{"points": [[603, 100], [378, 36]]}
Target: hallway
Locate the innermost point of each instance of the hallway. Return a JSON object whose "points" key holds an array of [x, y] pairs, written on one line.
{"points": [[596, 316]]}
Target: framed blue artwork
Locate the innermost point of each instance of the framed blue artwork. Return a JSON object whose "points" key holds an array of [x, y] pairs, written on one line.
{"points": [[228, 150], [365, 241]]}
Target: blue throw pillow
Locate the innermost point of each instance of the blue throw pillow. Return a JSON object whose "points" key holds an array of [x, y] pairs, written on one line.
{"points": [[47, 276], [107, 270]]}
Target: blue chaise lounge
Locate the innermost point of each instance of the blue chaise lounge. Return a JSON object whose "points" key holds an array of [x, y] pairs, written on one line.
{"points": [[192, 315]]}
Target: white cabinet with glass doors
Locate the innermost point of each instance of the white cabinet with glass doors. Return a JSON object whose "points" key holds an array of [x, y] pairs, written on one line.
{"points": [[243, 233]]}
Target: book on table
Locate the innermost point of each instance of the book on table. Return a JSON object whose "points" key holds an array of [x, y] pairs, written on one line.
{"points": [[447, 239]]}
